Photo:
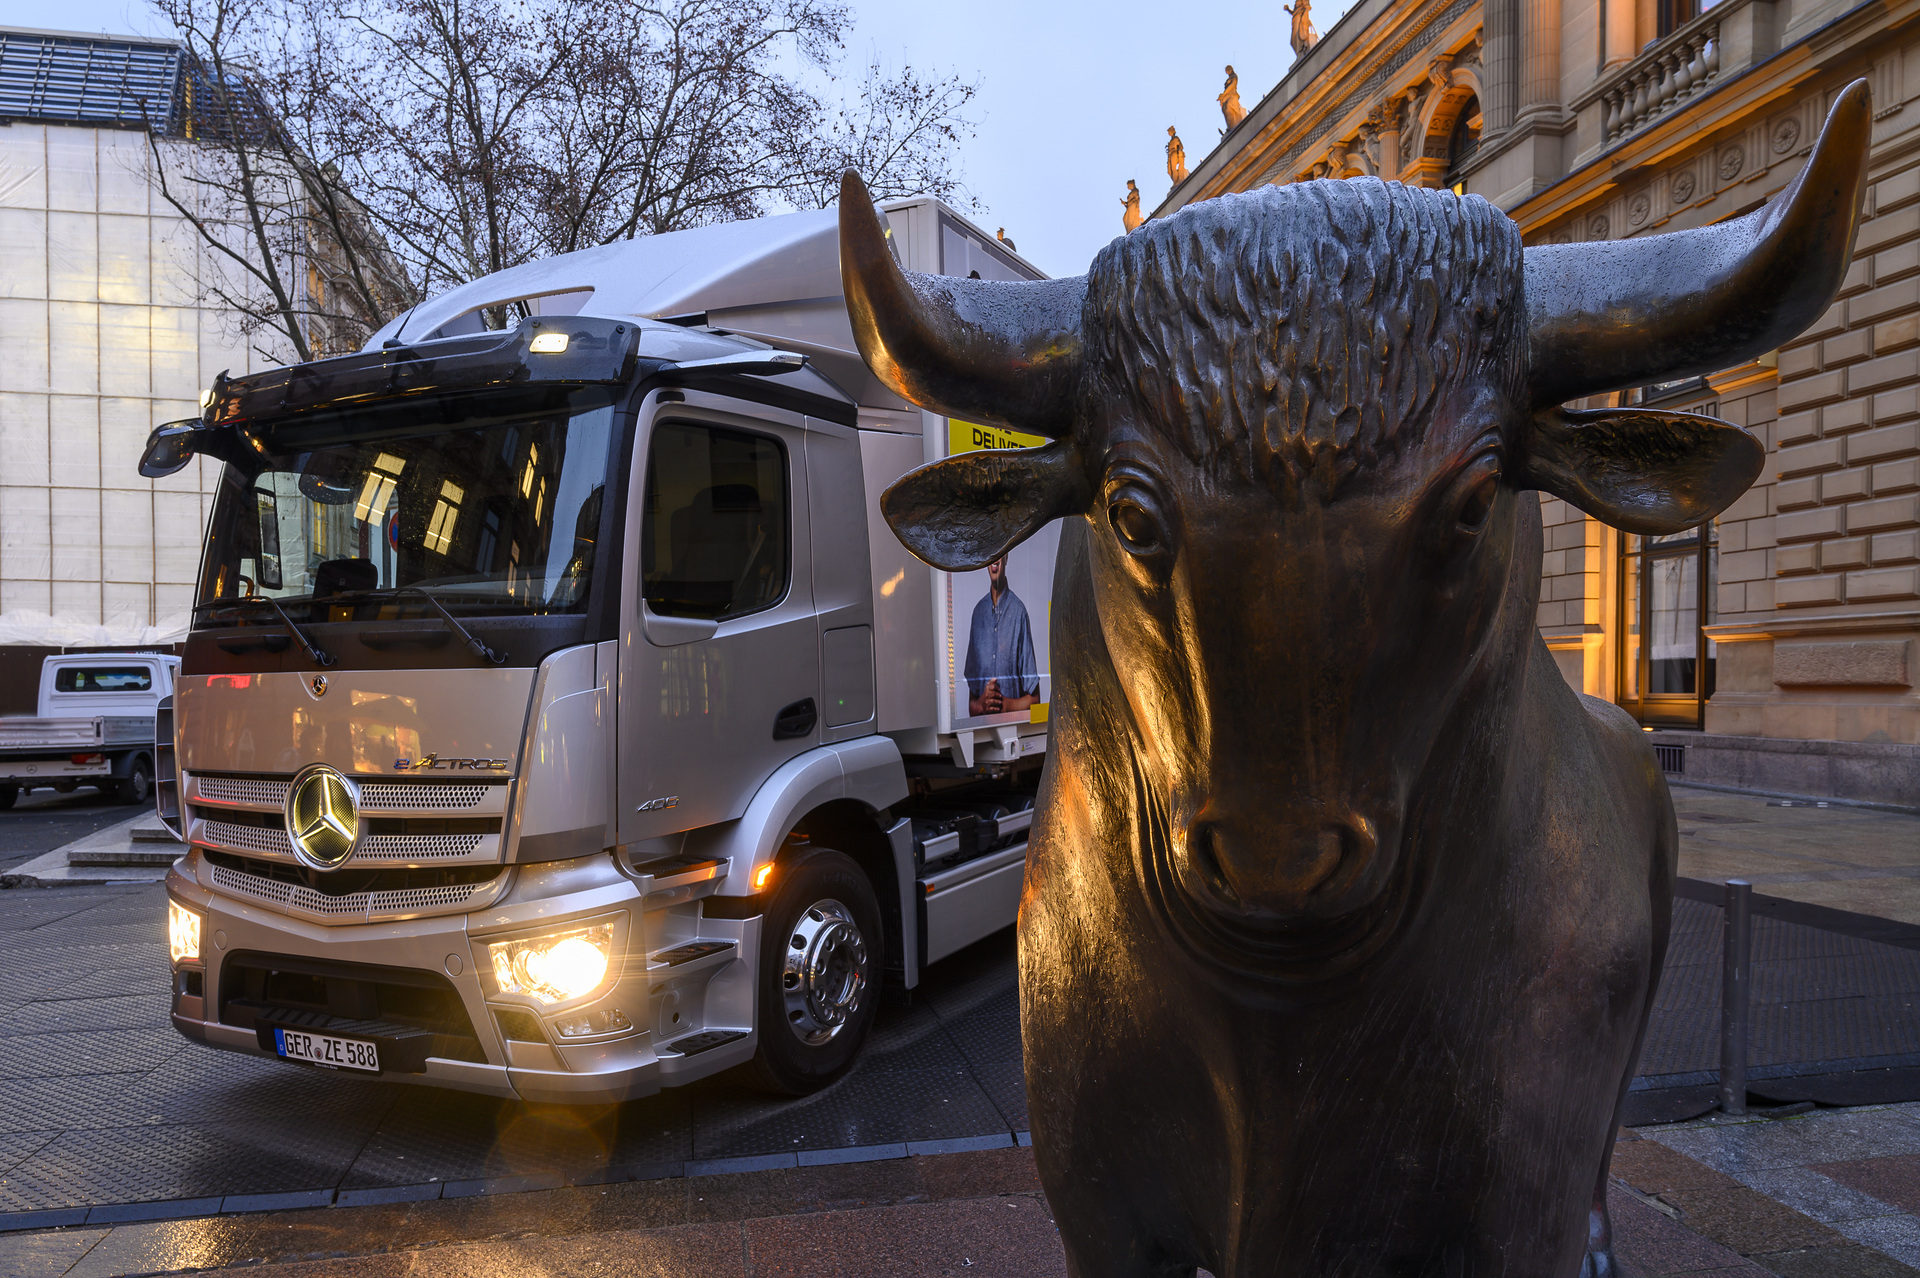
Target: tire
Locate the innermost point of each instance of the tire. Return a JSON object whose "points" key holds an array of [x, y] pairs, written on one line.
{"points": [[137, 785], [811, 1028], [8, 793]]}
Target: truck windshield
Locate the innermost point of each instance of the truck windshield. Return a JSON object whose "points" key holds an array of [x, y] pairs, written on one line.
{"points": [[493, 520]]}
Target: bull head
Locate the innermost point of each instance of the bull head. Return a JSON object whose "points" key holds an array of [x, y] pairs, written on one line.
{"points": [[1298, 423], [1600, 317]]}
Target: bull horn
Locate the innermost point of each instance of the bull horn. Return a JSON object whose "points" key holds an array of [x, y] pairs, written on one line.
{"points": [[992, 351], [1607, 316]]}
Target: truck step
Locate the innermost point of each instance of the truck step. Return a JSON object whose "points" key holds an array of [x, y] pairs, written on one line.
{"points": [[677, 880], [704, 1041], [675, 870], [158, 857], [689, 952]]}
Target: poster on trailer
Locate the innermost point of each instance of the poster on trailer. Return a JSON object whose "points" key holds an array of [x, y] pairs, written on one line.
{"points": [[997, 619]]}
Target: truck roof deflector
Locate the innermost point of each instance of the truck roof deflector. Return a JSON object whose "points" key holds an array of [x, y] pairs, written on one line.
{"points": [[758, 363]]}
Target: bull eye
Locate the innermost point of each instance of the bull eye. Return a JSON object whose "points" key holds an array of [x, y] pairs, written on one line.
{"points": [[1479, 487], [1135, 525]]}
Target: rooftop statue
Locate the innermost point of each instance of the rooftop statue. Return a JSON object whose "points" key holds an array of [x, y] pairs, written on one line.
{"points": [[1303, 36], [1176, 157], [1230, 99], [1130, 213], [1343, 911]]}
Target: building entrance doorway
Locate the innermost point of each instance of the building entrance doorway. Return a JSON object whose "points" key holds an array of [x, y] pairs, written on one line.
{"points": [[1666, 597]]}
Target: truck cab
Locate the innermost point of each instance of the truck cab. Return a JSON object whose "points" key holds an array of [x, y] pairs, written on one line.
{"points": [[559, 720]]}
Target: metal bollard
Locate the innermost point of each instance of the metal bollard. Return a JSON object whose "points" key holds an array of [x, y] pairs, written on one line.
{"points": [[1735, 997]]}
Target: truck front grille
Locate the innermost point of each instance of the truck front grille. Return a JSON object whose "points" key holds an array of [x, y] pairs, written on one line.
{"points": [[406, 796], [253, 838], [344, 896], [270, 793], [263, 794]]}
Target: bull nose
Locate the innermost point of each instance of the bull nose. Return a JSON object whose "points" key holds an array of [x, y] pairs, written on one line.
{"points": [[1275, 871]]}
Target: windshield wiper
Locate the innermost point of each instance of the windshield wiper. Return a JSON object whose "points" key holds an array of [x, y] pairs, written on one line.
{"points": [[320, 656], [478, 649], [474, 645]]}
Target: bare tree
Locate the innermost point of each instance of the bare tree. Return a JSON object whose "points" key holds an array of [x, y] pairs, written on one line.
{"points": [[290, 255], [426, 143], [900, 132]]}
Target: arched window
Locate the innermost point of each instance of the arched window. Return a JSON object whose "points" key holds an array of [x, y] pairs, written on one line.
{"points": [[1466, 134]]}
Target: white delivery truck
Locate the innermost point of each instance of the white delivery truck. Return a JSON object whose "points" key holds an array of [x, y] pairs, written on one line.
{"points": [[94, 726], [559, 719]]}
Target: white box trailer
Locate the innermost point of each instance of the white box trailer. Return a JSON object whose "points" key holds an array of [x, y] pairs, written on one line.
{"points": [[559, 719]]}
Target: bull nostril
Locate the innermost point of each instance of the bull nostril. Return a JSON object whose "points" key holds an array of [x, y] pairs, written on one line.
{"points": [[1204, 842], [1316, 857]]}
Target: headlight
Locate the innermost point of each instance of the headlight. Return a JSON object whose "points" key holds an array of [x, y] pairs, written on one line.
{"points": [[554, 969], [183, 933]]}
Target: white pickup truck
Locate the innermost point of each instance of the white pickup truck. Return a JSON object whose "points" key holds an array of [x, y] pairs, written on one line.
{"points": [[94, 726]]}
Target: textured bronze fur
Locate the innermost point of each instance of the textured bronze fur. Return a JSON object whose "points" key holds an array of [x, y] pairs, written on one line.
{"points": [[1342, 910]]}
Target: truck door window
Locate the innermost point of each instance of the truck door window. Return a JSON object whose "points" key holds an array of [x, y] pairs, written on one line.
{"points": [[102, 679], [714, 540]]}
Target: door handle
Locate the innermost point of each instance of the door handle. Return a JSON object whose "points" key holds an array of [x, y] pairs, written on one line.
{"points": [[796, 720]]}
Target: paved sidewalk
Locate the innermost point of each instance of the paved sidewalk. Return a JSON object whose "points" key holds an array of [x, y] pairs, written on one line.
{"points": [[104, 855], [1832, 1194], [1859, 859]]}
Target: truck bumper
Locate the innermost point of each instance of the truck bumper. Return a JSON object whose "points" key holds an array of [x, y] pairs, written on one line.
{"points": [[211, 1003], [32, 772]]}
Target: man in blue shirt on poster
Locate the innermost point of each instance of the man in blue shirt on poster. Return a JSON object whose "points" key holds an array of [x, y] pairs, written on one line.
{"points": [[1001, 672]]}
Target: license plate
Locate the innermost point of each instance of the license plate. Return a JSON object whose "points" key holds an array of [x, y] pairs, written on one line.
{"points": [[327, 1049]]}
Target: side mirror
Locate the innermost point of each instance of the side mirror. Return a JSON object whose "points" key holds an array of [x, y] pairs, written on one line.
{"points": [[759, 363], [266, 559], [171, 446]]}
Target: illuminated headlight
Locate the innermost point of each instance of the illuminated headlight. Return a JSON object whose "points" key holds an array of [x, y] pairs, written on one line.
{"points": [[557, 968], [183, 933]]}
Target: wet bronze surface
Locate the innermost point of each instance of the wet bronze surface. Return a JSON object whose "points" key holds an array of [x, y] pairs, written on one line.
{"points": [[1342, 910]]}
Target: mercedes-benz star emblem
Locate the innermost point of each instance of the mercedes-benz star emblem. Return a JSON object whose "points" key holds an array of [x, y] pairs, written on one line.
{"points": [[319, 685], [323, 817]]}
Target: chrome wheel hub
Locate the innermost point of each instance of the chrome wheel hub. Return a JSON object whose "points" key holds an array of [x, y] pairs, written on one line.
{"points": [[824, 973]]}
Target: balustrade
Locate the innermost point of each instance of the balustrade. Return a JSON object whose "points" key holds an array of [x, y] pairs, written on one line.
{"points": [[1670, 73]]}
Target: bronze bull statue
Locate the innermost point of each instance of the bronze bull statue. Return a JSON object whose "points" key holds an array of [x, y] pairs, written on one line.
{"points": [[1343, 912]]}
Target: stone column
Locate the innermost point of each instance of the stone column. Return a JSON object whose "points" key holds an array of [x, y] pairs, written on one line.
{"points": [[1540, 69], [1617, 31], [1393, 117], [1500, 38]]}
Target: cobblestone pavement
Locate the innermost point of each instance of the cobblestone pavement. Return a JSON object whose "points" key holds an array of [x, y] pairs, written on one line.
{"points": [[106, 1112], [153, 1153], [1832, 1194], [42, 820]]}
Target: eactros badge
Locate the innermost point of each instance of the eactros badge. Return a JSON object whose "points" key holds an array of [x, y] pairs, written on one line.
{"points": [[323, 817]]}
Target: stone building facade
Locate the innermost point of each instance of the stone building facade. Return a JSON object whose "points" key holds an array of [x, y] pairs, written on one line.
{"points": [[102, 337], [1775, 650]]}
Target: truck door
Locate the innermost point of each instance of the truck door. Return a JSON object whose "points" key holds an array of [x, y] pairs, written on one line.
{"points": [[719, 655]]}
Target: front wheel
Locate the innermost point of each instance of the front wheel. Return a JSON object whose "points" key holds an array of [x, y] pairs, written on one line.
{"points": [[8, 793], [819, 979], [137, 785]]}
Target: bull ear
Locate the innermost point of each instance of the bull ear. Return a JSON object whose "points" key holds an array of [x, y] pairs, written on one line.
{"points": [[964, 512], [1642, 471]]}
